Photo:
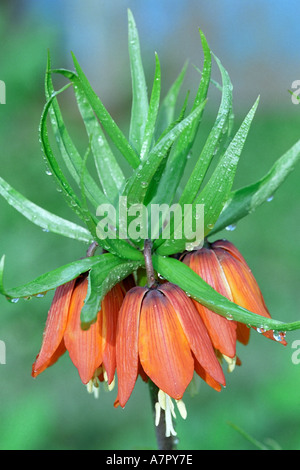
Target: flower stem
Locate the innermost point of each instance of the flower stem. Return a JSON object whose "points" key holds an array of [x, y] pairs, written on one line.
{"points": [[92, 249], [148, 263], [163, 442]]}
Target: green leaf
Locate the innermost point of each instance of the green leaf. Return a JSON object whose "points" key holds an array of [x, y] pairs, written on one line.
{"points": [[66, 146], [213, 141], [124, 250], [182, 275], [217, 190], [70, 196], [55, 278], [101, 281], [108, 169], [153, 111], [177, 162], [245, 200], [140, 104], [106, 120], [136, 188], [157, 193], [44, 219], [167, 109]]}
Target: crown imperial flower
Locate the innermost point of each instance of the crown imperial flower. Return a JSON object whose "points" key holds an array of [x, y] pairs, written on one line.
{"points": [[88, 349], [160, 329], [223, 267]]}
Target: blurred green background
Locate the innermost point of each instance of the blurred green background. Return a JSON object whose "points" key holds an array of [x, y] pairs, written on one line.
{"points": [[257, 44]]}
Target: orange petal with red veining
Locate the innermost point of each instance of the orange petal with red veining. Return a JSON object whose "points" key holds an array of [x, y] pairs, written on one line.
{"points": [[221, 331], [228, 246], [54, 358], [206, 377], [243, 333], [127, 352], [84, 346], [164, 350], [244, 288], [109, 313], [55, 328], [195, 330]]}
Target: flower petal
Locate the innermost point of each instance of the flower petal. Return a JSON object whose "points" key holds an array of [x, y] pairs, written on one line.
{"points": [[165, 354], [221, 330], [127, 353], [228, 246], [54, 358], [195, 331], [55, 329], [206, 377], [84, 346], [243, 333], [109, 313], [244, 288]]}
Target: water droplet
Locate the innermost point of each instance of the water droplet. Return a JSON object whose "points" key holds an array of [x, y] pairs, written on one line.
{"points": [[144, 184], [46, 230], [229, 317], [279, 335], [210, 226], [48, 172], [15, 301], [260, 330], [39, 296], [231, 228], [189, 247], [270, 198]]}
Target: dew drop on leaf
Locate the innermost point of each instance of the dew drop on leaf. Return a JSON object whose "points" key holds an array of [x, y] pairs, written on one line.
{"points": [[231, 228]]}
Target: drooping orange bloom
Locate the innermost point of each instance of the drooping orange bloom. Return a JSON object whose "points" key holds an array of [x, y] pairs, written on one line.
{"points": [[223, 267], [89, 350], [161, 335]]}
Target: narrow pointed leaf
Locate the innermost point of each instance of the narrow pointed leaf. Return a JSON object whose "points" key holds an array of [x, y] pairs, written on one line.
{"points": [[66, 146], [217, 189], [108, 169], [106, 120], [213, 141], [156, 193], [247, 199], [180, 274], [102, 281], [44, 219], [139, 111], [177, 162], [153, 111], [55, 278], [70, 196], [137, 185], [167, 109]]}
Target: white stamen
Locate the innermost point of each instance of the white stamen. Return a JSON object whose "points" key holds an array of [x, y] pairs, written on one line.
{"points": [[181, 408], [231, 361], [157, 413], [90, 387], [166, 404]]}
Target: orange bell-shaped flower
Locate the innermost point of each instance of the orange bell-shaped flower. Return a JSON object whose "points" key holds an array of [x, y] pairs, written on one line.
{"points": [[161, 332], [223, 267], [88, 349]]}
